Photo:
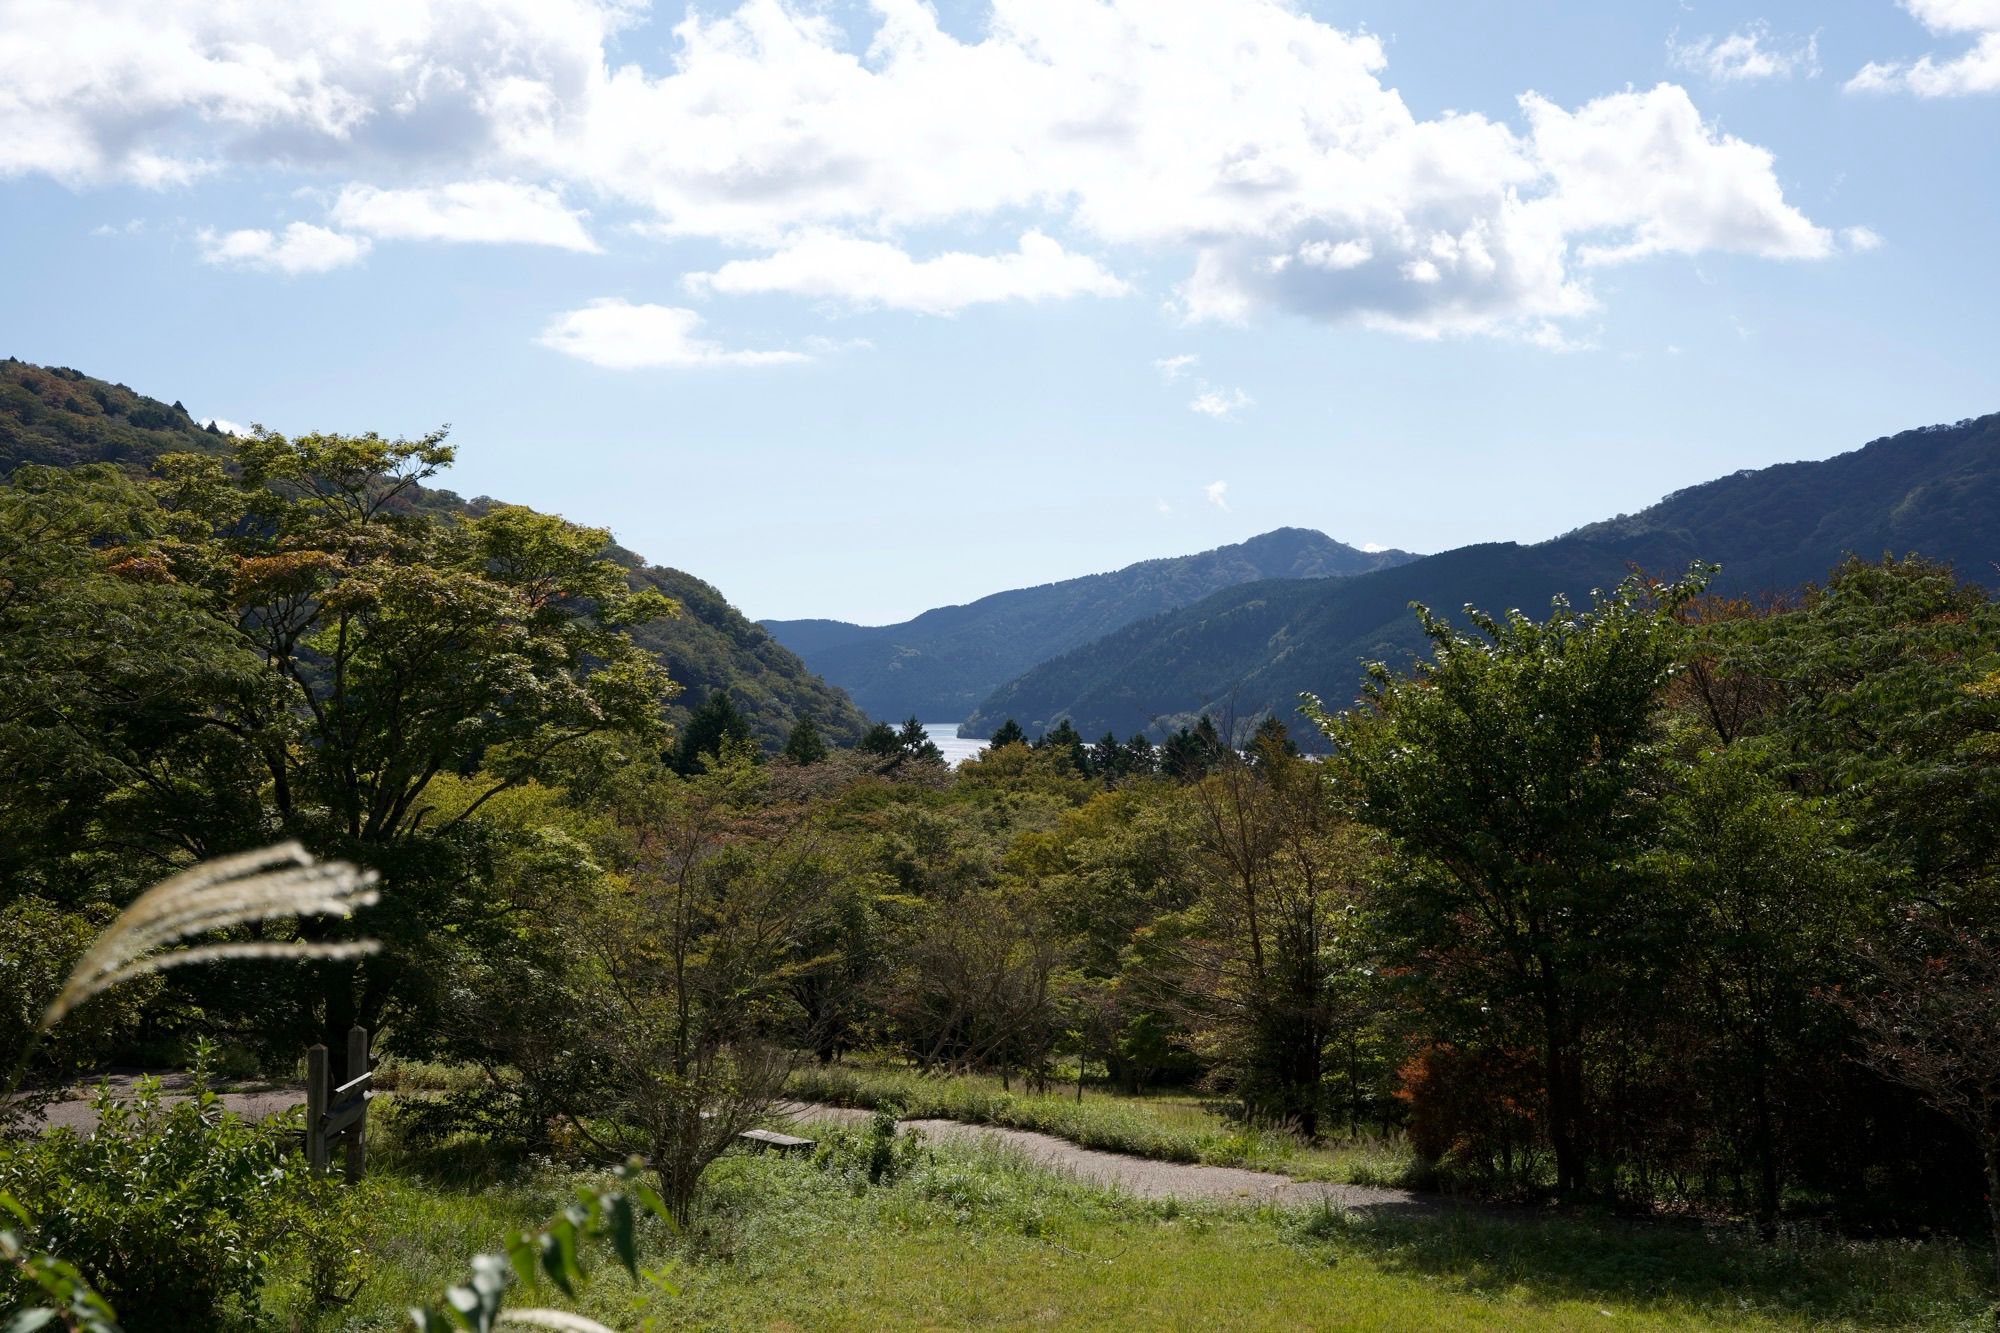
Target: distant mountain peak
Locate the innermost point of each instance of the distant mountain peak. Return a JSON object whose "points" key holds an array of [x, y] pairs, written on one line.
{"points": [[942, 662]]}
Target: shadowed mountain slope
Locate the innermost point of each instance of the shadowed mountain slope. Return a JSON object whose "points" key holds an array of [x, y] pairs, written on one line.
{"points": [[940, 664], [1251, 650]]}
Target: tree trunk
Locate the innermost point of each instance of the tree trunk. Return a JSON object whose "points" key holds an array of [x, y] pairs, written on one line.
{"points": [[1563, 1087]]}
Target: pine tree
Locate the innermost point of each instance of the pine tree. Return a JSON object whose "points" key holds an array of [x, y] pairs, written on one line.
{"points": [[1009, 733], [804, 746], [880, 740], [1063, 739], [1270, 740], [1108, 758], [917, 745], [714, 726], [1141, 760]]}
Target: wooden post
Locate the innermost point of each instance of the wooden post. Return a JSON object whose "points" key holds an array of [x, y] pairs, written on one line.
{"points": [[316, 1109], [357, 1065]]}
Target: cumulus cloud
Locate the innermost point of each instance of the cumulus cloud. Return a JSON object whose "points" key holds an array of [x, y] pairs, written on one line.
{"points": [[1218, 494], [867, 273], [1172, 368], [1746, 55], [495, 212], [1256, 149], [161, 92], [1860, 239], [619, 335], [300, 248], [1975, 70], [1219, 403], [228, 427]]}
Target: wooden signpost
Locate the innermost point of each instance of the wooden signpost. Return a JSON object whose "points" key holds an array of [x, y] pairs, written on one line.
{"points": [[341, 1115]]}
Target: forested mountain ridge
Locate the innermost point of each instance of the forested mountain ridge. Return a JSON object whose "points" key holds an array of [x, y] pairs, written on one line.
{"points": [[1251, 650], [62, 417], [941, 663]]}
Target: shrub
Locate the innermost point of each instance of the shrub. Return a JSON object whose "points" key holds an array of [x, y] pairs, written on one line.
{"points": [[175, 1210]]}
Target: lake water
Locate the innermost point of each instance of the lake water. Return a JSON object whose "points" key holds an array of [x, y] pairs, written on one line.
{"points": [[945, 736]]}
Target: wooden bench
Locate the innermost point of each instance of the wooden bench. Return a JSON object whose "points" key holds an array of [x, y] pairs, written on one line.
{"points": [[771, 1141]]}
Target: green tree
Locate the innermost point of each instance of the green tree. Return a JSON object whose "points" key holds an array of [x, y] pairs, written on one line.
{"points": [[334, 645], [1270, 963], [716, 726], [916, 744], [1516, 773], [804, 746], [1008, 733]]}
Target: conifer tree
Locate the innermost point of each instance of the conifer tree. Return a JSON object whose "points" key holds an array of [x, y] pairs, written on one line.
{"points": [[804, 746]]}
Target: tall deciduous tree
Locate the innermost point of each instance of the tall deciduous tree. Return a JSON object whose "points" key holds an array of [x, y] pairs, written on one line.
{"points": [[1517, 773], [354, 643]]}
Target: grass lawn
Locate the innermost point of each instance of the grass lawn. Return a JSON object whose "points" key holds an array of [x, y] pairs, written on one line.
{"points": [[975, 1238]]}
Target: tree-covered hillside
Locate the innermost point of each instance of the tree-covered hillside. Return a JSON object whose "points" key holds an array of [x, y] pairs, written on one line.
{"points": [[946, 660], [1250, 650], [62, 417]]}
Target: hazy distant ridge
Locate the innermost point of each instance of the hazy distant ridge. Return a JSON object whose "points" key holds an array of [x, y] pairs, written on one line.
{"points": [[943, 662]]}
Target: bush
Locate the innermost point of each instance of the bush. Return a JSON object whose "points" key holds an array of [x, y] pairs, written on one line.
{"points": [[175, 1211]]}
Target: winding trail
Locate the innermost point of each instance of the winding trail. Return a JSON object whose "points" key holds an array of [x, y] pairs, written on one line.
{"points": [[1143, 1176]]}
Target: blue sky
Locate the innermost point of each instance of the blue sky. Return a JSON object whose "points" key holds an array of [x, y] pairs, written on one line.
{"points": [[857, 310]]}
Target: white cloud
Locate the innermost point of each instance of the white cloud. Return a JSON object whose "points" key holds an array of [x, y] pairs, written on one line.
{"points": [[1218, 494], [1371, 548], [619, 335], [1748, 54], [497, 212], [300, 248], [1172, 368], [1220, 403], [162, 92], [1860, 240], [1975, 70], [866, 273], [1258, 149], [1163, 506], [228, 427]]}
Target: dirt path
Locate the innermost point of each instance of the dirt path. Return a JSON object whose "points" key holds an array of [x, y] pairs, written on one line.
{"points": [[75, 1113], [1143, 1176]]}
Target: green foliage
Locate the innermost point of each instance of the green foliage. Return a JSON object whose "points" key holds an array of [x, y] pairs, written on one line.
{"points": [[31, 977], [715, 727], [177, 1210], [553, 1253], [37, 1277], [803, 745], [1512, 774]]}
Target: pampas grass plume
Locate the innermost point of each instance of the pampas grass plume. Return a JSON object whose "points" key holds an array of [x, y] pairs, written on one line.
{"points": [[556, 1319], [229, 891]]}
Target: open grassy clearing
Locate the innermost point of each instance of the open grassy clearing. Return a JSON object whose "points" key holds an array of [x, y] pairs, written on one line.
{"points": [[1173, 1127], [974, 1237]]}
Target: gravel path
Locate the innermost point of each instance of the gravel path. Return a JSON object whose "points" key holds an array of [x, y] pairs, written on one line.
{"points": [[75, 1113], [1143, 1176]]}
